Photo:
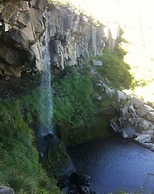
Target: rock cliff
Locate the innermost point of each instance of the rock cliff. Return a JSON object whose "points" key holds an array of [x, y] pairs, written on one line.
{"points": [[72, 38]]}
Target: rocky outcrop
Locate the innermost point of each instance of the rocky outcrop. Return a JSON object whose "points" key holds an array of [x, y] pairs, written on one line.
{"points": [[132, 117], [26, 27], [135, 119], [22, 24], [73, 37]]}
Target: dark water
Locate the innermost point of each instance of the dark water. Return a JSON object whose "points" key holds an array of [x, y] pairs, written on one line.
{"points": [[115, 166]]}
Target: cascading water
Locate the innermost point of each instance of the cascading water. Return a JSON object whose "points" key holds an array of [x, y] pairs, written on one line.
{"points": [[46, 126]]}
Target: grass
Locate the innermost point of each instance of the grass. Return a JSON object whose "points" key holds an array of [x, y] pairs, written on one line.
{"points": [[115, 69], [19, 166], [76, 116]]}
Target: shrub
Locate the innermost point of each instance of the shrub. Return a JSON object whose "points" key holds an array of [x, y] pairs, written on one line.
{"points": [[115, 69]]}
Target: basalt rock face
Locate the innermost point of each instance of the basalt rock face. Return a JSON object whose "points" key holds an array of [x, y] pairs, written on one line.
{"points": [[22, 24], [72, 38]]}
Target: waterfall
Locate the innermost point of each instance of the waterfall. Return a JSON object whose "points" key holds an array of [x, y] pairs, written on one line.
{"points": [[46, 126]]}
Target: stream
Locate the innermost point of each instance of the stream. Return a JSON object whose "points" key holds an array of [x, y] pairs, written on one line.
{"points": [[115, 165]]}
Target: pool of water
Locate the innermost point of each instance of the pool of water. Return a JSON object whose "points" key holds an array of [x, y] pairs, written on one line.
{"points": [[115, 165]]}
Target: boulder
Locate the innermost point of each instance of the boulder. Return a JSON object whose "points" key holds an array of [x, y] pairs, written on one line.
{"points": [[150, 116], [137, 102], [149, 132], [99, 98], [97, 63], [152, 149], [142, 111], [143, 138], [124, 110], [150, 109], [115, 126], [108, 90], [121, 96], [128, 133], [6, 190], [148, 145], [143, 124]]}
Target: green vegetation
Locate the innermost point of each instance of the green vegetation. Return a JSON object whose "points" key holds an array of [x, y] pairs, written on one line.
{"points": [[114, 68], [19, 166], [77, 117]]}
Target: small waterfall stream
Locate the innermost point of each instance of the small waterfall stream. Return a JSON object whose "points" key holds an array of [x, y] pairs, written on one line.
{"points": [[46, 92]]}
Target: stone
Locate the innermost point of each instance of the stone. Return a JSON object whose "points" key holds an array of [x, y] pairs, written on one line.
{"points": [[142, 111], [143, 138], [39, 4], [16, 71], [132, 110], [137, 102], [124, 111], [36, 48], [132, 121], [6, 190], [149, 132], [97, 63], [152, 148], [148, 145], [1, 8], [6, 27], [150, 109], [152, 127], [28, 32], [121, 96], [150, 116], [116, 128], [128, 133], [108, 90], [99, 98], [144, 124]]}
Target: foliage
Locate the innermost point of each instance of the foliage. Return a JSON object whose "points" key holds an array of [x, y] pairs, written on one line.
{"points": [[19, 166], [115, 69], [76, 116]]}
